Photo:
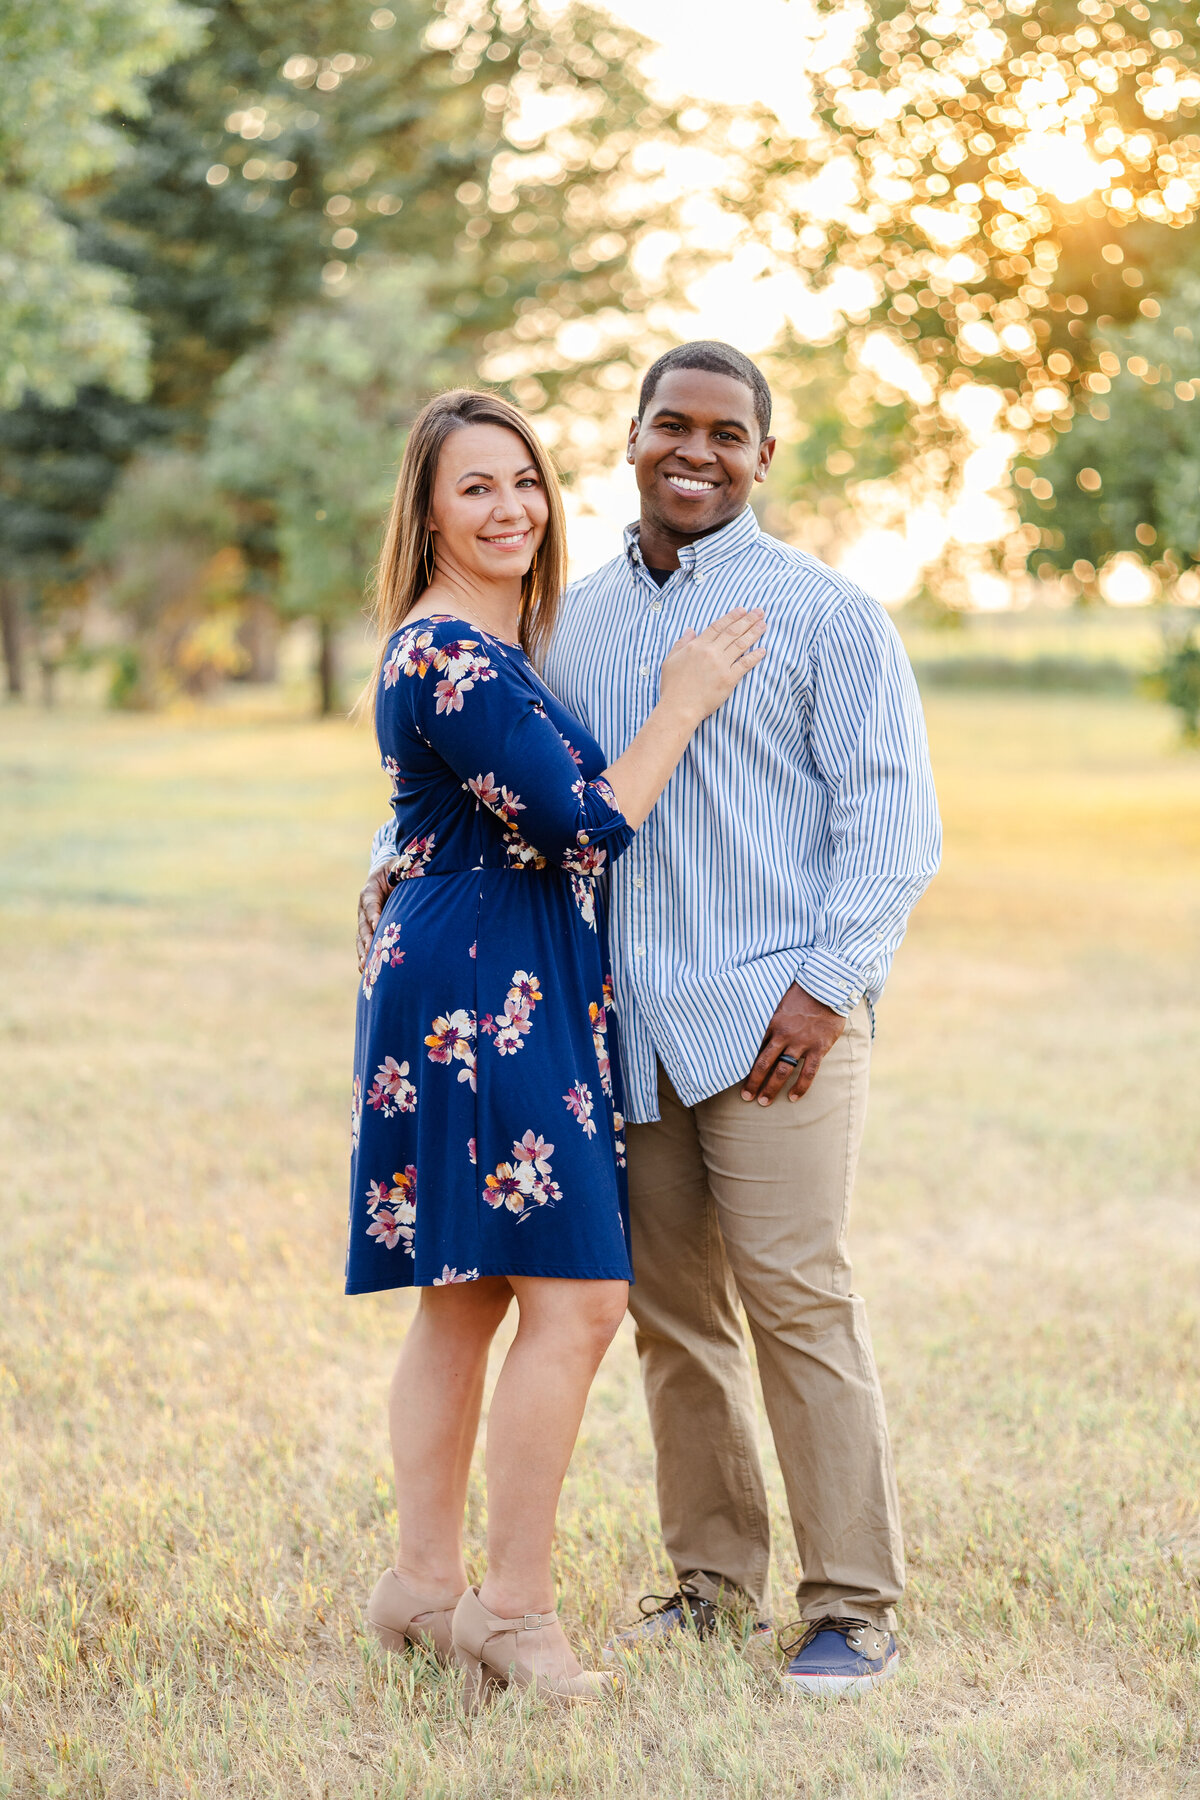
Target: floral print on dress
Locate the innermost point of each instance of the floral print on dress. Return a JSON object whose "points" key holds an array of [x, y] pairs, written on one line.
{"points": [[588, 859], [452, 1039], [508, 1032], [383, 950], [579, 1104], [491, 778], [583, 865], [497, 799], [356, 1106], [391, 1091], [393, 1210], [599, 1018], [461, 663], [526, 1181], [583, 892], [521, 855], [414, 858]]}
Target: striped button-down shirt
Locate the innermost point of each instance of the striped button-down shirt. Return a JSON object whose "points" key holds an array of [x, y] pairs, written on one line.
{"points": [[797, 833]]}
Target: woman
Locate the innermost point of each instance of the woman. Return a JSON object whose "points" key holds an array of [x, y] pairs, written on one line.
{"points": [[487, 1155]]}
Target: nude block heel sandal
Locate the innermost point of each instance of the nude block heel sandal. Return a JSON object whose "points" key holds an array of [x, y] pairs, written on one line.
{"points": [[400, 1620], [528, 1652]]}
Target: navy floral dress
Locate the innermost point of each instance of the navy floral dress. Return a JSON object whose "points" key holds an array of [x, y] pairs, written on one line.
{"points": [[487, 1127]]}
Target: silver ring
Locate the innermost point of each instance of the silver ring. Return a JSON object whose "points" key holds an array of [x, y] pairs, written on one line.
{"points": [[791, 1061]]}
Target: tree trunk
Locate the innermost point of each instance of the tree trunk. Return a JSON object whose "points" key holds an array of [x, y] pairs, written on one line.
{"points": [[10, 632], [258, 636], [326, 668], [49, 670]]}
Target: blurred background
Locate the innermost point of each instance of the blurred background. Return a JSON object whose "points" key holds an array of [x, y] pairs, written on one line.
{"points": [[242, 242]]}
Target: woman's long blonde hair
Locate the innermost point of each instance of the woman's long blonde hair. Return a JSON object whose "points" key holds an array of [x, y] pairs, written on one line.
{"points": [[402, 575]]}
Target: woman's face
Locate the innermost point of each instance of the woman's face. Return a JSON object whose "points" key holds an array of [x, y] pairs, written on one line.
{"points": [[489, 505]]}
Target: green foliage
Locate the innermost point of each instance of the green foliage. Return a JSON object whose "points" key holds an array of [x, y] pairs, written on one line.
{"points": [[302, 144], [294, 155], [1177, 681], [1126, 478], [57, 468], [308, 433], [63, 71], [313, 424], [963, 171], [166, 547]]}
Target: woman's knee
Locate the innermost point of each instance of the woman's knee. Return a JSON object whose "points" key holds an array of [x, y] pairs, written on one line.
{"points": [[578, 1315], [467, 1309]]}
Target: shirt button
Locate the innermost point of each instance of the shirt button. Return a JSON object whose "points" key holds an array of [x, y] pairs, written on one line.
{"points": [[644, 670], [639, 881], [640, 951], [655, 605]]}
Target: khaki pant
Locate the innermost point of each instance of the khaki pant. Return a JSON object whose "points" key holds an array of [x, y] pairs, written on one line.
{"points": [[730, 1201]]}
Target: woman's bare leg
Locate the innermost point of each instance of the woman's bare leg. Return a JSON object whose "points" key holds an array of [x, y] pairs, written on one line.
{"points": [[533, 1421], [433, 1414]]}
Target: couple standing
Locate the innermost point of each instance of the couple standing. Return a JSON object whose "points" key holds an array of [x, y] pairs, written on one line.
{"points": [[751, 913]]}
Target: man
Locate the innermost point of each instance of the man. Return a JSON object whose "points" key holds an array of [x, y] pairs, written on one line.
{"points": [[753, 923]]}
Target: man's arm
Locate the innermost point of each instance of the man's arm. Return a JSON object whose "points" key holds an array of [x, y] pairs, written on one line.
{"points": [[867, 737], [377, 888]]}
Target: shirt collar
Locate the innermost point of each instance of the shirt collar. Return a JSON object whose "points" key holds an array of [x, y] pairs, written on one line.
{"points": [[709, 552]]}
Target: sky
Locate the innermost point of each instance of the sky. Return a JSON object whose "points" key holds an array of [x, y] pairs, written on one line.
{"points": [[758, 51], [709, 51], [706, 53]]}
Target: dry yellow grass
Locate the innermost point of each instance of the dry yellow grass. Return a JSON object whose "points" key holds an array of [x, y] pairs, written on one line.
{"points": [[192, 1460]]}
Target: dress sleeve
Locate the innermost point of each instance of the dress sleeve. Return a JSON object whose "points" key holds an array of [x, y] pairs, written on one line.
{"points": [[472, 704]]}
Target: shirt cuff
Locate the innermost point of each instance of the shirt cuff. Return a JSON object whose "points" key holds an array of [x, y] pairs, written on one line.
{"points": [[830, 980], [383, 847]]}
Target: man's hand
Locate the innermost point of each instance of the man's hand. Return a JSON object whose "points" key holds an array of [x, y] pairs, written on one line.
{"points": [[801, 1034], [370, 905]]}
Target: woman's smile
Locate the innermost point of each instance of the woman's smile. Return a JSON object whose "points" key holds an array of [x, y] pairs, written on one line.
{"points": [[507, 540]]}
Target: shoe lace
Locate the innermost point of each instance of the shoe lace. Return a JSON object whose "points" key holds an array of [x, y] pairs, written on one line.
{"points": [[807, 1629], [685, 1600]]}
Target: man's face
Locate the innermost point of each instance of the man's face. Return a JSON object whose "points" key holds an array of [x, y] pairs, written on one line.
{"points": [[697, 452]]}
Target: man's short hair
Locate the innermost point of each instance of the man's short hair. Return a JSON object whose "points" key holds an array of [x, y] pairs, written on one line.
{"points": [[714, 358]]}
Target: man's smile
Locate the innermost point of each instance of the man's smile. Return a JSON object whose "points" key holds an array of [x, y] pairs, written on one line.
{"points": [[690, 484]]}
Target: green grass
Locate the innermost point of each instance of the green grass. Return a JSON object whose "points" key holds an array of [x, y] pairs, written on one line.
{"points": [[194, 1491], [1096, 649]]}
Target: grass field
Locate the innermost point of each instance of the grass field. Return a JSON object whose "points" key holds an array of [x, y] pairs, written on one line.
{"points": [[193, 1469]]}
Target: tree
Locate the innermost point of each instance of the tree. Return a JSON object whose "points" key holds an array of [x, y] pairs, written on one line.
{"points": [[1178, 682], [167, 549], [310, 428], [300, 147], [1126, 480], [488, 137], [57, 468], [64, 320], [66, 323], [980, 193]]}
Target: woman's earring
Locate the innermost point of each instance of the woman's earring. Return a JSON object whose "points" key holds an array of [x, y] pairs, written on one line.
{"points": [[429, 560]]}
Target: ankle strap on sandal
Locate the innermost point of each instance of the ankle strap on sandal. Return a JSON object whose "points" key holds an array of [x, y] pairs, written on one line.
{"points": [[530, 1621]]}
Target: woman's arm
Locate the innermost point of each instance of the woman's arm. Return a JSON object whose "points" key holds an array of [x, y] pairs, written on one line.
{"points": [[471, 703], [698, 674]]}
